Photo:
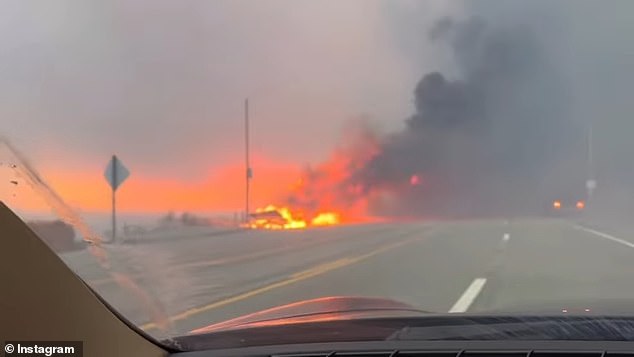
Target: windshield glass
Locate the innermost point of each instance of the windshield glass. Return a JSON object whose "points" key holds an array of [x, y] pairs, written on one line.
{"points": [[196, 162]]}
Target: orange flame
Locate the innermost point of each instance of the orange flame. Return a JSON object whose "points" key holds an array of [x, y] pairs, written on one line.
{"points": [[272, 217], [325, 219], [326, 194], [414, 180]]}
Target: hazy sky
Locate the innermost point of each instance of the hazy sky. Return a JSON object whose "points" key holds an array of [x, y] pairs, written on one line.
{"points": [[162, 83]]}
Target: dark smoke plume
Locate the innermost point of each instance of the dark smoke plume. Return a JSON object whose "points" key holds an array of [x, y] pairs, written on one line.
{"points": [[497, 139]]}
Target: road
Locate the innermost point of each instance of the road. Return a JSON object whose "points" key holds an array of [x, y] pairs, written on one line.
{"points": [[521, 265]]}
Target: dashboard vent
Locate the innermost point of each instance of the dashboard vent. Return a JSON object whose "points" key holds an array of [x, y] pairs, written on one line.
{"points": [[363, 354], [495, 354], [427, 354], [326, 354], [566, 354], [343, 354]]}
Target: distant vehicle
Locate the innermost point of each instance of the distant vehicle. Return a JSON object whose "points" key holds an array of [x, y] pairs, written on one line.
{"points": [[269, 218], [567, 206]]}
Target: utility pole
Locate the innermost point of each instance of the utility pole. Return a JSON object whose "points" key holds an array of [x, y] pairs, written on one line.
{"points": [[115, 178], [590, 181], [249, 172]]}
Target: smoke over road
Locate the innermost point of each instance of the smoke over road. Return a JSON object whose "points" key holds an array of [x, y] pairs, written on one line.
{"points": [[498, 138], [482, 142]]}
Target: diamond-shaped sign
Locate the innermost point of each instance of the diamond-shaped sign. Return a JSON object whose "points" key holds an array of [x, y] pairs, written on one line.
{"points": [[116, 173], [591, 184]]}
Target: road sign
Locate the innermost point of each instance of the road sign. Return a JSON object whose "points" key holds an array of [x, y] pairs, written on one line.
{"points": [[591, 184], [116, 173]]}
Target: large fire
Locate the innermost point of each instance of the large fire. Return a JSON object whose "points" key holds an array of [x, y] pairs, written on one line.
{"points": [[272, 217], [325, 195]]}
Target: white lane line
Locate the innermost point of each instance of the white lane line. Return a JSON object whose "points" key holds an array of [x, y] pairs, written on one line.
{"points": [[605, 235], [506, 237], [468, 296]]}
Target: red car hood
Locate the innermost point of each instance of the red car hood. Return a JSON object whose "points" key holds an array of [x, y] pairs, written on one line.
{"points": [[321, 309]]}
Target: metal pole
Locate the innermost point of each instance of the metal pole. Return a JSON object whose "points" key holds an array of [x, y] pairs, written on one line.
{"points": [[114, 189], [590, 161], [590, 153], [248, 165]]}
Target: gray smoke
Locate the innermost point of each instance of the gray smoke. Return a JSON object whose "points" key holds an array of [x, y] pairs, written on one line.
{"points": [[486, 141]]}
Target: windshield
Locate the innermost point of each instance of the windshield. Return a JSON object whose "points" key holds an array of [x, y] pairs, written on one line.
{"points": [[198, 162]]}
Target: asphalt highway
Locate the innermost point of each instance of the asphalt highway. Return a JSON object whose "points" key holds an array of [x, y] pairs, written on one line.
{"points": [[471, 266]]}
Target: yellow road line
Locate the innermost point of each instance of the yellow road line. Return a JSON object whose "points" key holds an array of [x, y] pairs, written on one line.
{"points": [[206, 263], [303, 275], [214, 262]]}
